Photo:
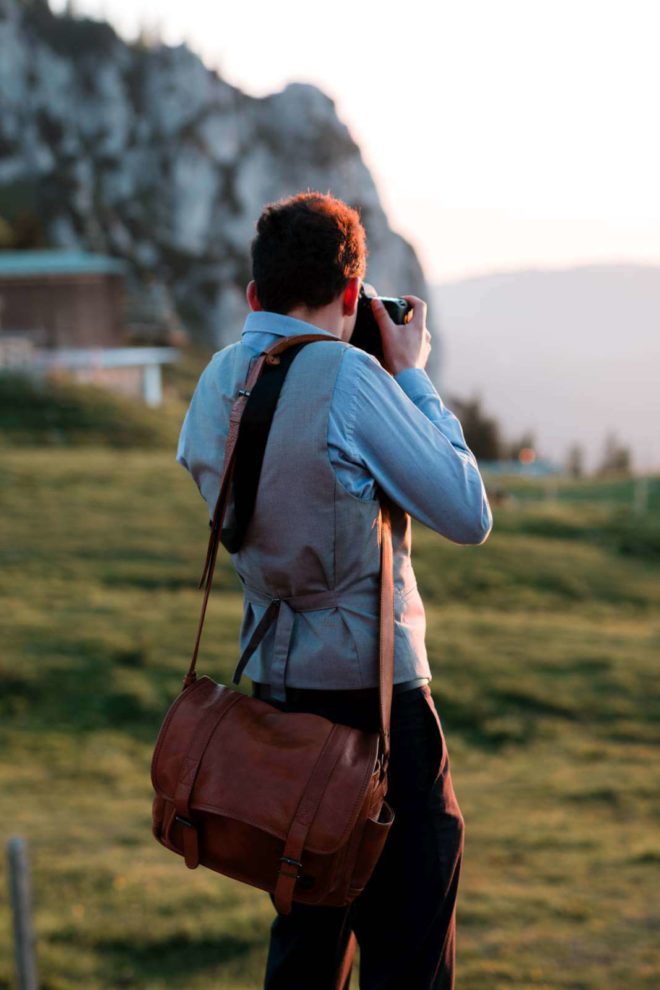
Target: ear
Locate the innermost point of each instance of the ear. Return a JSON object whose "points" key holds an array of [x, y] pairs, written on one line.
{"points": [[252, 297], [350, 296]]}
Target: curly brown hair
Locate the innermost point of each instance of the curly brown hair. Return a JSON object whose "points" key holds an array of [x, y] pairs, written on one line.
{"points": [[305, 250]]}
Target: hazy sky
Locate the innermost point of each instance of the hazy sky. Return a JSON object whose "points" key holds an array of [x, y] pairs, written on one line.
{"points": [[501, 133]]}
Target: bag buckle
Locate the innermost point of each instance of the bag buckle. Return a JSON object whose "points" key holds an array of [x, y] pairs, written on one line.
{"points": [[291, 862], [184, 821]]}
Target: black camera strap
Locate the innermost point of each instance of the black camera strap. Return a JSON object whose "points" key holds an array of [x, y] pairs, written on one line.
{"points": [[251, 444]]}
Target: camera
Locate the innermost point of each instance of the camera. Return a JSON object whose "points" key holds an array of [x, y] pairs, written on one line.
{"points": [[366, 333]]}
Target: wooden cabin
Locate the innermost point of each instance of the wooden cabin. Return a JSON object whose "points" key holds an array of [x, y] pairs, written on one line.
{"points": [[62, 312]]}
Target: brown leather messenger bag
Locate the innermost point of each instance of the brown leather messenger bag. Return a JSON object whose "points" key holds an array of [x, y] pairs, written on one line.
{"points": [[289, 802]]}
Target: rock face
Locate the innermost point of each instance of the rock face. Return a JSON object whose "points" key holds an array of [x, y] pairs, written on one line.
{"points": [[145, 153]]}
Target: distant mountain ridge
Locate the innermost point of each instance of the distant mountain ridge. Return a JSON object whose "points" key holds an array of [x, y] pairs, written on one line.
{"points": [[571, 354]]}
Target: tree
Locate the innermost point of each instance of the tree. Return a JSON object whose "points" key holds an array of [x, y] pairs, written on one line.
{"points": [[482, 432], [616, 458], [575, 461]]}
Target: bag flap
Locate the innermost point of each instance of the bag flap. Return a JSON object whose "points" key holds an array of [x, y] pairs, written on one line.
{"points": [[257, 764]]}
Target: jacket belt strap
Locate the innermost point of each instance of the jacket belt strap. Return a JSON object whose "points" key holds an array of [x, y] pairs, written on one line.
{"points": [[284, 610]]}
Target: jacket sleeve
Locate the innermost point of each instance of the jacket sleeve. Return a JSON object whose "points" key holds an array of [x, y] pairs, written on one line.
{"points": [[399, 429], [200, 448]]}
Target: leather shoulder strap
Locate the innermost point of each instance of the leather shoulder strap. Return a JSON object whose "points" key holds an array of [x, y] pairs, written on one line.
{"points": [[251, 444], [386, 631]]}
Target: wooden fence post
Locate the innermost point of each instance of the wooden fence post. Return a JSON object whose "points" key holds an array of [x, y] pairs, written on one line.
{"points": [[20, 899]]}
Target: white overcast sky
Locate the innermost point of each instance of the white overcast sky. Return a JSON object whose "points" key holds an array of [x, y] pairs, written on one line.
{"points": [[501, 133]]}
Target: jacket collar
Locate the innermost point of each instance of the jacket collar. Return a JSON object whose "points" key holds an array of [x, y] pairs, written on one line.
{"points": [[262, 321]]}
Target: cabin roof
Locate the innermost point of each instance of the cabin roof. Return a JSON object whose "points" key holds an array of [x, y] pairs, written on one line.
{"points": [[58, 261]]}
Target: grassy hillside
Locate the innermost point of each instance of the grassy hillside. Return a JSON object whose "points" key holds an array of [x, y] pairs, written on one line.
{"points": [[544, 645]]}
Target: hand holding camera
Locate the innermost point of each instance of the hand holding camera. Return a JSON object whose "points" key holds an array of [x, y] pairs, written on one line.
{"points": [[393, 330]]}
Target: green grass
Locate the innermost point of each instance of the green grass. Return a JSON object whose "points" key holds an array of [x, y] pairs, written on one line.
{"points": [[544, 645], [56, 411]]}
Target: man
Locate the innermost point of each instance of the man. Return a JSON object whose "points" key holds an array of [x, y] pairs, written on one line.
{"points": [[347, 431]]}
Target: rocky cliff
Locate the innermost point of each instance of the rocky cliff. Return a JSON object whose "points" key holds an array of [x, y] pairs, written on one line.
{"points": [[143, 152]]}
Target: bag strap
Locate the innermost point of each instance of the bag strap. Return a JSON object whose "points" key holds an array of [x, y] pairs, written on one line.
{"points": [[386, 631], [251, 445]]}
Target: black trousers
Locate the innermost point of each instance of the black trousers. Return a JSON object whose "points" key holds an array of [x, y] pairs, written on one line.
{"points": [[405, 919]]}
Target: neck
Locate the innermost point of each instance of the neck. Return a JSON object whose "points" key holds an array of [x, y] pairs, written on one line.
{"points": [[327, 318]]}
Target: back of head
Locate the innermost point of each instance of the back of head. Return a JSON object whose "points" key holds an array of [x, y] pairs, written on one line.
{"points": [[306, 249]]}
